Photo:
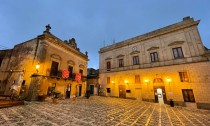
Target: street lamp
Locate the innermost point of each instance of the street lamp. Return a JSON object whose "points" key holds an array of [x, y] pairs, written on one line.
{"points": [[37, 67]]}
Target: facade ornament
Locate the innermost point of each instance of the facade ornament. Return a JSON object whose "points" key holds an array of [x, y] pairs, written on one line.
{"points": [[47, 28]]}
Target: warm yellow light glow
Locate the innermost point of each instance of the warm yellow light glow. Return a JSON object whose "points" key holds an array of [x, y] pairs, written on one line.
{"points": [[112, 82], [37, 66], [168, 79], [126, 81], [146, 81]]}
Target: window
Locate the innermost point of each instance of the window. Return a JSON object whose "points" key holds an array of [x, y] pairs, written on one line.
{"points": [[128, 91], [108, 80], [23, 82], [135, 60], [178, 52], [188, 95], [137, 79], [154, 56], [108, 90], [121, 63], [81, 71], [108, 65], [183, 77], [54, 69], [70, 69], [1, 59]]}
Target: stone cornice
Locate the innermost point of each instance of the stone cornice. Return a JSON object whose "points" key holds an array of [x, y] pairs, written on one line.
{"points": [[108, 58], [120, 56], [134, 52], [152, 48], [156, 33], [53, 39], [176, 43]]}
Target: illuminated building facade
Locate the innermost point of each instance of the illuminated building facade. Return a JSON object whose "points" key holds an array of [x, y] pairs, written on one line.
{"points": [[36, 66], [168, 63]]}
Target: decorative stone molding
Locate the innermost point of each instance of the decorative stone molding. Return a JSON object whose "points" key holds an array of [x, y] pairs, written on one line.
{"points": [[81, 66], [134, 52], [152, 48], [70, 62], [108, 58], [120, 56], [176, 43], [55, 56]]}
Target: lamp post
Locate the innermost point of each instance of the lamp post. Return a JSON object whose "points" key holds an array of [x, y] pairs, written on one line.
{"points": [[37, 67]]}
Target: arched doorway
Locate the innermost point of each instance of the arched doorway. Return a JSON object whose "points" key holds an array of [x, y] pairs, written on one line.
{"points": [[159, 91]]}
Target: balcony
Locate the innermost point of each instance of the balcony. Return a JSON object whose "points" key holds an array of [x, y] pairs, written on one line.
{"points": [[154, 64]]}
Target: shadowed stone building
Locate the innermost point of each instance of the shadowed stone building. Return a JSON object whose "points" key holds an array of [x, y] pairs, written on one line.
{"points": [[168, 63], [36, 67], [92, 81]]}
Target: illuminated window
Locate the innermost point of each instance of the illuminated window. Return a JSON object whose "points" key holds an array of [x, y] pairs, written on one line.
{"points": [[135, 60], [188, 95], [108, 80], [183, 77], [154, 56], [121, 63], [178, 53], [137, 79]]}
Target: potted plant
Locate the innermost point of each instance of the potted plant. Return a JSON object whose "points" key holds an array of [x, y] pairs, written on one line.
{"points": [[56, 95]]}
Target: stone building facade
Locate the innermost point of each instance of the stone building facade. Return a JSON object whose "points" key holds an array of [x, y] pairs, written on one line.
{"points": [[36, 66], [170, 63], [92, 81]]}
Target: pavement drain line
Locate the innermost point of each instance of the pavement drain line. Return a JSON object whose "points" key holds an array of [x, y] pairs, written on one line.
{"points": [[140, 116], [129, 115], [177, 117], [168, 116], [189, 119]]}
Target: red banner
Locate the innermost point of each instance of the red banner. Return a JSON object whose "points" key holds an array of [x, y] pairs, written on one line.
{"points": [[78, 76], [65, 73]]}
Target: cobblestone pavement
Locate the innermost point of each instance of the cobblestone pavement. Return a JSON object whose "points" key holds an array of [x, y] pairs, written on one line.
{"points": [[101, 111]]}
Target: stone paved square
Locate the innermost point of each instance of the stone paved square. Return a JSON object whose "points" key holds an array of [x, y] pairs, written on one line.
{"points": [[101, 111]]}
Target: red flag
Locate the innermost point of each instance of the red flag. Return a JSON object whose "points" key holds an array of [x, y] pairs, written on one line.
{"points": [[78, 77], [65, 73]]}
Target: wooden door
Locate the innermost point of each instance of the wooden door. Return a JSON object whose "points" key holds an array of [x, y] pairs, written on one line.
{"points": [[138, 94], [122, 93]]}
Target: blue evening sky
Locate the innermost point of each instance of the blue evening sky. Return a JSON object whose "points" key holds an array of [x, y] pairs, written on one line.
{"points": [[95, 22]]}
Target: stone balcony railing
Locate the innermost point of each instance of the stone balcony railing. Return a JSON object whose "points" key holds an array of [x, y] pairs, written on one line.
{"points": [[155, 64]]}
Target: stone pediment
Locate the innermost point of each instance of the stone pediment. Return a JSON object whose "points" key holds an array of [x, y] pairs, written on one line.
{"points": [[108, 58], [152, 48], [176, 43], [120, 56], [71, 62], [81, 66], [134, 52], [55, 56]]}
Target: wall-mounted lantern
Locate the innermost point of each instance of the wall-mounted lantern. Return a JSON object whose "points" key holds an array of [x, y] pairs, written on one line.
{"points": [[37, 67], [126, 82], [146, 81]]}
